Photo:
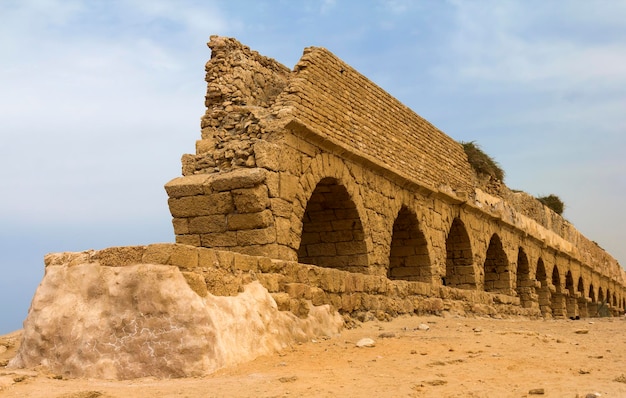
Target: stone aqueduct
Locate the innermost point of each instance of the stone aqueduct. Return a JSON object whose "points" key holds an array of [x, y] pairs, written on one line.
{"points": [[361, 203]]}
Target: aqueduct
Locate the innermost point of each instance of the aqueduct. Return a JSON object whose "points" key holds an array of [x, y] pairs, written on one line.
{"points": [[312, 194], [320, 169]]}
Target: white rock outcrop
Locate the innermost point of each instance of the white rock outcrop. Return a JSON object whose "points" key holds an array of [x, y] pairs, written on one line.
{"points": [[141, 320]]}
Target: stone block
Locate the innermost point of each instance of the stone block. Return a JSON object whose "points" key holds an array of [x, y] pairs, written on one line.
{"points": [[271, 282], [260, 236], [207, 224], [158, 253], [251, 200], [238, 178], [201, 205], [207, 258], [196, 283], [281, 207], [321, 249], [289, 186], [191, 240], [219, 239], [120, 256], [267, 155], [246, 263], [245, 221], [350, 248], [190, 185], [181, 226], [184, 256], [297, 290], [283, 301]]}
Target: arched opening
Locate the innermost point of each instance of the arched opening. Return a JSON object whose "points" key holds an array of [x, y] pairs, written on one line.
{"points": [[408, 256], [497, 277], [332, 233], [581, 299], [614, 300], [459, 263], [524, 285], [592, 303], [571, 306], [558, 300], [600, 295], [545, 305]]}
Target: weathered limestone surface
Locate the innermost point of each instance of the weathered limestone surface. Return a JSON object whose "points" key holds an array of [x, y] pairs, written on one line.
{"points": [[104, 315]]}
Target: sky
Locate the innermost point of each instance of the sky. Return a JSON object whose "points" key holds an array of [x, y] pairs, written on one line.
{"points": [[100, 98]]}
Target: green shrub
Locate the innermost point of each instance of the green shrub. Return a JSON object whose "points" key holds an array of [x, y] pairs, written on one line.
{"points": [[482, 163], [553, 202]]}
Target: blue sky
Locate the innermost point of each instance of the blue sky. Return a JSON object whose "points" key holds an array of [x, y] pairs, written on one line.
{"points": [[100, 99]]}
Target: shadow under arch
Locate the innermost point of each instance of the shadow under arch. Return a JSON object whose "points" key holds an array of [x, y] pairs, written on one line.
{"points": [[459, 258], [581, 299], [408, 254], [497, 275], [557, 299], [544, 294], [332, 232], [524, 286], [571, 306]]}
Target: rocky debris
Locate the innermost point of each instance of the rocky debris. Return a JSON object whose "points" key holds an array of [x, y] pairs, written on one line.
{"points": [[365, 342], [537, 391], [582, 331], [423, 326]]}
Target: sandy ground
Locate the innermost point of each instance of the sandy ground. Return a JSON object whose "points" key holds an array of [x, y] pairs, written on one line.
{"points": [[455, 357]]}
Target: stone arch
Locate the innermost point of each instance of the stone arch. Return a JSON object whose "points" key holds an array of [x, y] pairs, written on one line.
{"points": [[332, 231], [524, 285], [545, 305], [459, 258], [592, 293], [496, 266], [408, 254]]}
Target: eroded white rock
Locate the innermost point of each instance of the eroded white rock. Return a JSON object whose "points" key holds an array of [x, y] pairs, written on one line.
{"points": [[143, 320]]}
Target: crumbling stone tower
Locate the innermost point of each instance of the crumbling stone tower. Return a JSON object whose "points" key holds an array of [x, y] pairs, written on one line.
{"points": [[318, 165]]}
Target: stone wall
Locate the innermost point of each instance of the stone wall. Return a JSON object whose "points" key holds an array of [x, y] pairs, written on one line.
{"points": [[320, 166]]}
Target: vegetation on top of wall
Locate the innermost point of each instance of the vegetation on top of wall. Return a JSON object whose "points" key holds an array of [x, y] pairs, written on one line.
{"points": [[482, 163], [553, 202]]}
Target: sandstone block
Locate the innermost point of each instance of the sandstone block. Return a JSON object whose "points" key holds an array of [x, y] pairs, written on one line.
{"points": [[238, 178], [267, 155], [201, 205], [158, 253], [120, 256], [184, 256], [207, 224], [181, 226], [207, 258], [218, 239], [289, 186], [250, 220], [191, 240], [261, 236], [251, 200], [190, 185], [196, 283]]}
